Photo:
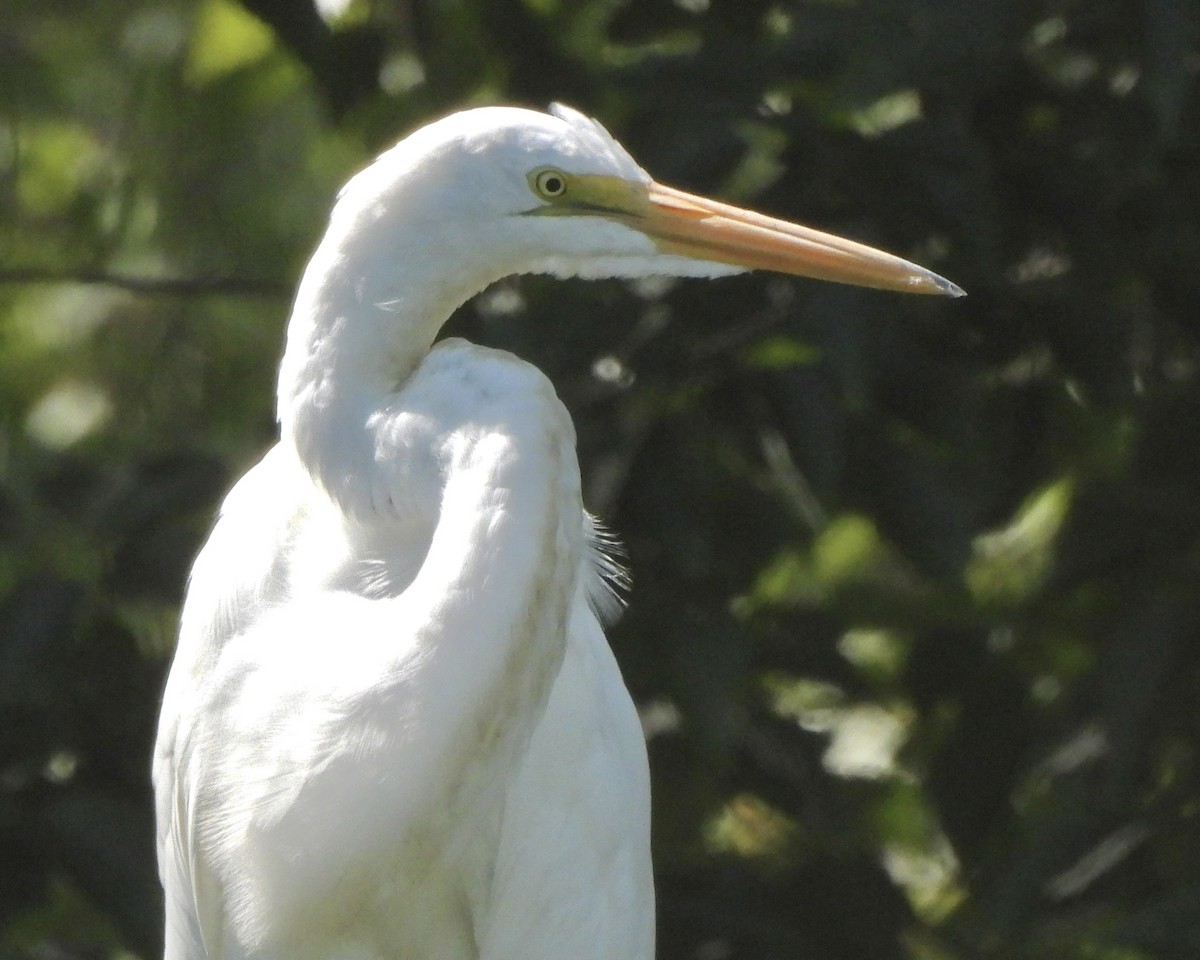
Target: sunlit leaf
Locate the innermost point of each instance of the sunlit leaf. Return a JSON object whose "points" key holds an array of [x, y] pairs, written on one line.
{"points": [[224, 39], [58, 159], [1012, 563]]}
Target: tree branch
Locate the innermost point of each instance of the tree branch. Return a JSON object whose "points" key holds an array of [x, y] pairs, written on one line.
{"points": [[152, 286]]}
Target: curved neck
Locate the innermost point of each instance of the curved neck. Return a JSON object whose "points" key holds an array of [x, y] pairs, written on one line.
{"points": [[366, 313]]}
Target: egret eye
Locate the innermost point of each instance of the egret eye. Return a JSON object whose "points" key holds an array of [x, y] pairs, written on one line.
{"points": [[549, 183]]}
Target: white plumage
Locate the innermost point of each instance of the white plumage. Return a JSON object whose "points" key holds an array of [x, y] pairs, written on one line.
{"points": [[393, 727]]}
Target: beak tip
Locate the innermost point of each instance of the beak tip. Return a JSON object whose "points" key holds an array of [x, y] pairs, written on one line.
{"points": [[946, 287]]}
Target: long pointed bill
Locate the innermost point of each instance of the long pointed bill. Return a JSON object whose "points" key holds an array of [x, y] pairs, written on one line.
{"points": [[694, 226]]}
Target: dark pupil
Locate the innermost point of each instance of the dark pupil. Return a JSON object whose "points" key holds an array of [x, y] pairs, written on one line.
{"points": [[552, 185]]}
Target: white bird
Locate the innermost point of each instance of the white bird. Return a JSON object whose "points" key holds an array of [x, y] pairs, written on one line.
{"points": [[393, 727]]}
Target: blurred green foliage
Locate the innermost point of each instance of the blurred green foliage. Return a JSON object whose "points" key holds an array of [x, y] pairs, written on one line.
{"points": [[915, 627]]}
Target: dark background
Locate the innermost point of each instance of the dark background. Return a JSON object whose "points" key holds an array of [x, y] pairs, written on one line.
{"points": [[915, 621]]}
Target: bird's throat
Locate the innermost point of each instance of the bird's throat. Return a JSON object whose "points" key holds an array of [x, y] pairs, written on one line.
{"points": [[356, 334]]}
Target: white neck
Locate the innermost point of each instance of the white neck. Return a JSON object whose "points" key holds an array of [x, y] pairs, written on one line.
{"points": [[367, 310]]}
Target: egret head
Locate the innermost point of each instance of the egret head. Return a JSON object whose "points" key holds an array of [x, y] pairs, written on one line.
{"points": [[508, 191]]}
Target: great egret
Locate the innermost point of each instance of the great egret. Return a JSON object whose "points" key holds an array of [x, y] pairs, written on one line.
{"points": [[393, 727]]}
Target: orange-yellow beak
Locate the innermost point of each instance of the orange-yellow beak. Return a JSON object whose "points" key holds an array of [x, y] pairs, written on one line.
{"points": [[687, 225], [694, 226]]}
